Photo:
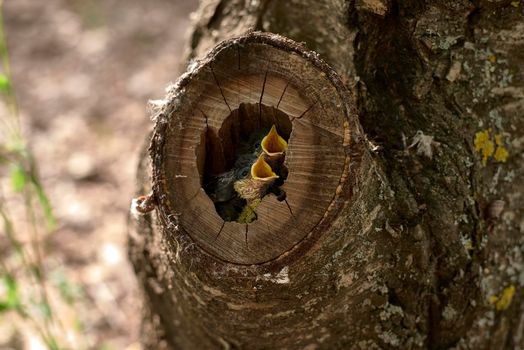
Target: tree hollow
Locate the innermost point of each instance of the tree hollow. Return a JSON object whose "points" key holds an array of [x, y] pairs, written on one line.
{"points": [[281, 83]]}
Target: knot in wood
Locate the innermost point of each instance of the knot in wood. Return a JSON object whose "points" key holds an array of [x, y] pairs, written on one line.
{"points": [[243, 88]]}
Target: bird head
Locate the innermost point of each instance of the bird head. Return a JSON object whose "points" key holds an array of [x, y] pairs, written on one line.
{"points": [[256, 187]]}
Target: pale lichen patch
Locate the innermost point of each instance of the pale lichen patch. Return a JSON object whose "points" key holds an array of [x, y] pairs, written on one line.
{"points": [[281, 314], [346, 280], [281, 277], [367, 344], [449, 313], [390, 338], [372, 216], [390, 310]]}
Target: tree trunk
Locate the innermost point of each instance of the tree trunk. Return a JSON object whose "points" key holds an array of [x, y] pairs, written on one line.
{"points": [[414, 240]]}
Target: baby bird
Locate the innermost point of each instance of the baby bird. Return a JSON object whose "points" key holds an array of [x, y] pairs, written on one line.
{"points": [[265, 170], [274, 147], [258, 170], [220, 187], [255, 187]]}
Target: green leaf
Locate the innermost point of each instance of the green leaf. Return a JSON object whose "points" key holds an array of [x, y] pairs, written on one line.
{"points": [[3, 306], [78, 325], [5, 86], [12, 299], [43, 200], [10, 231], [18, 178], [3, 155], [52, 344], [3, 48], [106, 346], [45, 204]]}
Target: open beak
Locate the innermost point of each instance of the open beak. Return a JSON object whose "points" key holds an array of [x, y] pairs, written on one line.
{"points": [[262, 176], [273, 144], [260, 170]]}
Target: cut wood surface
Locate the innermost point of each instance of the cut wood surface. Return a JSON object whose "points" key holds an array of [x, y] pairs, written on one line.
{"points": [[264, 75]]}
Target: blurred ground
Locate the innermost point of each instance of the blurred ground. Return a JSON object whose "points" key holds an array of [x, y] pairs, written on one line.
{"points": [[83, 71]]}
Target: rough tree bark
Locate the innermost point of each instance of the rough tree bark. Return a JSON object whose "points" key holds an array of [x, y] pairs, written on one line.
{"points": [[427, 248]]}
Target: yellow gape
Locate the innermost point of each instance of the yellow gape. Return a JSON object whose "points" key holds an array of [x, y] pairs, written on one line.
{"points": [[273, 144], [261, 170]]}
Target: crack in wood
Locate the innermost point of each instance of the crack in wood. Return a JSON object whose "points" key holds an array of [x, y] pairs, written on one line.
{"points": [[238, 56], [205, 116], [273, 116], [238, 81], [303, 113], [281, 96], [261, 96], [268, 213], [220, 88], [220, 231], [247, 229], [289, 207], [322, 129]]}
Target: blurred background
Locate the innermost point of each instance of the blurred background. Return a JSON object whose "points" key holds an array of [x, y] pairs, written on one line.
{"points": [[82, 72]]}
